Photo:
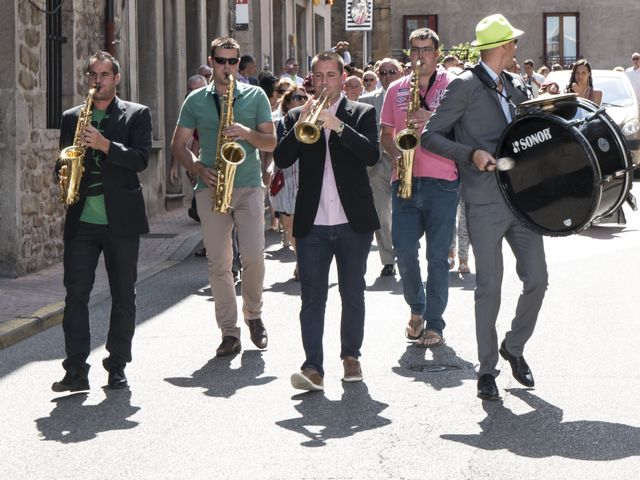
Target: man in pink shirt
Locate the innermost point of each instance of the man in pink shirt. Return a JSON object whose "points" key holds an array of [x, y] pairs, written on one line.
{"points": [[431, 209], [334, 216]]}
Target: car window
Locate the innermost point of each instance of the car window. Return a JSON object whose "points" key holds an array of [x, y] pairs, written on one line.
{"points": [[615, 91]]}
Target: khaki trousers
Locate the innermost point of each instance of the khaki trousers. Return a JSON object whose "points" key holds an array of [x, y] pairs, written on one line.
{"points": [[247, 215]]}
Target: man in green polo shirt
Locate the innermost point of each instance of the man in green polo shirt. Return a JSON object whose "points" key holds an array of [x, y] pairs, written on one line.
{"points": [[253, 129]]}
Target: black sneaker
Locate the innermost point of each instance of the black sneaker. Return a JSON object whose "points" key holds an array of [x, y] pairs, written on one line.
{"points": [[117, 378], [72, 382]]}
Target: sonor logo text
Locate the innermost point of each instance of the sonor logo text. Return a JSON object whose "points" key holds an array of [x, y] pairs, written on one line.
{"points": [[531, 140]]}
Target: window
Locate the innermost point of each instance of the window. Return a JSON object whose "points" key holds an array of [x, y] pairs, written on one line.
{"points": [[54, 63], [561, 34], [413, 22]]}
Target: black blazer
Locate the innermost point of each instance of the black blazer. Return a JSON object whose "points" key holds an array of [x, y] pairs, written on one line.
{"points": [[350, 153], [129, 130]]}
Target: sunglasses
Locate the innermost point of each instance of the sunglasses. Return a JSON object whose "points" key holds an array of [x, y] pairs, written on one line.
{"points": [[297, 98], [223, 60], [635, 58], [393, 71], [282, 91], [367, 80]]}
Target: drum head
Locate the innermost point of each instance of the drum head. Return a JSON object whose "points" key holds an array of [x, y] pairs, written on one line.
{"points": [[551, 187]]}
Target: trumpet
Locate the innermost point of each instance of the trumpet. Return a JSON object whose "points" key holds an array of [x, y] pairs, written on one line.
{"points": [[307, 130]]}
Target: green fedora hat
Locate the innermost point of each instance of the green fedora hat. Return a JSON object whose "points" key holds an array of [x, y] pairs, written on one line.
{"points": [[493, 31]]}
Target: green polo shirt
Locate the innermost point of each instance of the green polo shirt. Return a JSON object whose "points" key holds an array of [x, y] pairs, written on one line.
{"points": [[250, 108]]}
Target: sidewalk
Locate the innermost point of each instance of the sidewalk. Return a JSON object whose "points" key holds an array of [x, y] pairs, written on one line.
{"points": [[35, 302]]}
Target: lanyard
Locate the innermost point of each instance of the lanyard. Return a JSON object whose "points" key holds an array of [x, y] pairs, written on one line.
{"points": [[423, 99]]}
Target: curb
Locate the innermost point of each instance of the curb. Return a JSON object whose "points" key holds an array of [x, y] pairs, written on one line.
{"points": [[20, 328]]}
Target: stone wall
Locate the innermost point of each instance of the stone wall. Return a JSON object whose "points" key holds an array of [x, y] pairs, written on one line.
{"points": [[40, 216]]}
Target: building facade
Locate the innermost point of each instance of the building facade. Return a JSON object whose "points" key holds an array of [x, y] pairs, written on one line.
{"points": [[44, 46], [557, 31]]}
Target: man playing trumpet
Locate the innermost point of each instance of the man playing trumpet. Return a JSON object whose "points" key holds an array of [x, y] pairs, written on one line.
{"points": [[334, 214]]}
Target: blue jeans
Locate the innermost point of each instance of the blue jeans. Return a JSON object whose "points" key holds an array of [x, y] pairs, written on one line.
{"points": [[430, 211], [315, 252]]}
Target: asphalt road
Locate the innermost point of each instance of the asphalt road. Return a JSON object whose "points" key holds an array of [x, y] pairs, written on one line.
{"points": [[191, 415]]}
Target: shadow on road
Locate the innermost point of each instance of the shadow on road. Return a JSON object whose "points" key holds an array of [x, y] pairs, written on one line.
{"points": [[187, 278], [72, 422], [323, 419], [463, 281], [218, 379], [445, 370], [542, 433]]}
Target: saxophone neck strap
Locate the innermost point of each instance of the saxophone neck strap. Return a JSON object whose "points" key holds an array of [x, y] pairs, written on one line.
{"points": [[423, 99]]}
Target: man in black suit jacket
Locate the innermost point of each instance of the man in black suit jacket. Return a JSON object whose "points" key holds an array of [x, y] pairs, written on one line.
{"points": [[109, 217], [334, 215]]}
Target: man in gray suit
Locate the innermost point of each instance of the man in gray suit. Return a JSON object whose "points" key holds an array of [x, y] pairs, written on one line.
{"points": [[389, 70], [477, 107]]}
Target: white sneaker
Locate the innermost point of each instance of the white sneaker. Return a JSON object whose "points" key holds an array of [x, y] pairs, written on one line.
{"points": [[307, 379]]}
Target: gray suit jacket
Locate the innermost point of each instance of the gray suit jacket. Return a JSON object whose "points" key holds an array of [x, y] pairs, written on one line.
{"points": [[383, 167], [471, 113]]}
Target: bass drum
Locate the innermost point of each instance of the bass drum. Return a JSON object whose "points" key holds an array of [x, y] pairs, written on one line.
{"points": [[571, 165]]}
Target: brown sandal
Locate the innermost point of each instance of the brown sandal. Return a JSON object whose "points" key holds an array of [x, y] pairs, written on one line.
{"points": [[430, 339], [414, 325]]}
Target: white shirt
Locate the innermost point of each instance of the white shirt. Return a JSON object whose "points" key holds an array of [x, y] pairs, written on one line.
{"points": [[634, 78], [502, 97]]}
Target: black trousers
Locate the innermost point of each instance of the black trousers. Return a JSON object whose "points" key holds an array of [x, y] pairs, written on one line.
{"points": [[81, 254]]}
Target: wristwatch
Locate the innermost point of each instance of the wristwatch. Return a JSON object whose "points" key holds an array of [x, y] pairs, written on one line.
{"points": [[340, 129]]}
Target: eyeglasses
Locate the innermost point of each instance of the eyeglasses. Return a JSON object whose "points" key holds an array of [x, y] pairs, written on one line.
{"points": [[297, 98], [103, 75], [223, 60], [392, 71], [420, 50]]}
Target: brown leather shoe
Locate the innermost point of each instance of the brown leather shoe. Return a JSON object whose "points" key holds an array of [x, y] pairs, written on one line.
{"points": [[229, 346], [258, 333]]}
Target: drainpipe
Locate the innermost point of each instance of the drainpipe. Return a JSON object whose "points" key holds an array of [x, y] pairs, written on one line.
{"points": [[110, 28]]}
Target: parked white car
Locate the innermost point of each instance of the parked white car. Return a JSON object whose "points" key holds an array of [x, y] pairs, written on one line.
{"points": [[619, 99]]}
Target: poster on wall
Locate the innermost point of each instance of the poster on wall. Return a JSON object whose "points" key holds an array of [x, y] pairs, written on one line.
{"points": [[242, 15], [359, 15]]}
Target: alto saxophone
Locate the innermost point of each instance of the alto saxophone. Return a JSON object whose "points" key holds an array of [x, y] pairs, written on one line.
{"points": [[407, 141], [71, 159], [229, 154]]}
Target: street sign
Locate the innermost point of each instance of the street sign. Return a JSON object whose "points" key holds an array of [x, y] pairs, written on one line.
{"points": [[242, 15], [359, 15]]}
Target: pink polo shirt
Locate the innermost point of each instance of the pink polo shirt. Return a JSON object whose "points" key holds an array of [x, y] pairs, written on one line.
{"points": [[394, 114], [330, 211]]}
